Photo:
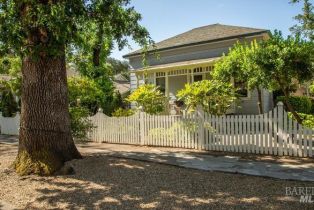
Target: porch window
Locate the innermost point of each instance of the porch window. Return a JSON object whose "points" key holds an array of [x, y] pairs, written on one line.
{"points": [[198, 78], [242, 89], [161, 83]]}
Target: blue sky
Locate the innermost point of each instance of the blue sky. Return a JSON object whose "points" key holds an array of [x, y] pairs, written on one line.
{"points": [[166, 18]]}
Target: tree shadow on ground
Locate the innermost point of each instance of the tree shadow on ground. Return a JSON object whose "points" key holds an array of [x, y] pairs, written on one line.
{"points": [[103, 182]]}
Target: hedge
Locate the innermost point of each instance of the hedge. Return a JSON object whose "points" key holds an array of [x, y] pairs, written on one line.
{"points": [[301, 104]]}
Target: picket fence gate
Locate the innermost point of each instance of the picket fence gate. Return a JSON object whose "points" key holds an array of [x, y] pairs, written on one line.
{"points": [[272, 133]]}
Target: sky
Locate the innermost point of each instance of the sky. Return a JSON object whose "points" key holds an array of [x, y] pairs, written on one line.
{"points": [[167, 18]]}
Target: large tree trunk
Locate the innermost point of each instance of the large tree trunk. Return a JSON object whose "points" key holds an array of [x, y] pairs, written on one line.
{"points": [[45, 140], [260, 102]]}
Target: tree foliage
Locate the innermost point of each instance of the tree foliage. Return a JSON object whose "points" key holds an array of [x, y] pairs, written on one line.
{"points": [[8, 105], [214, 96], [10, 65], [84, 92], [123, 112], [286, 62], [118, 66], [306, 20], [10, 84], [240, 65], [149, 98], [80, 123], [44, 33]]}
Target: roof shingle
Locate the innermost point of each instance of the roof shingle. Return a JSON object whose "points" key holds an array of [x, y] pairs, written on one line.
{"points": [[210, 33]]}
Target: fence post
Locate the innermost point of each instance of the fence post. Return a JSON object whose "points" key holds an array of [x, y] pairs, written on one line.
{"points": [[280, 128], [142, 134], [200, 121]]}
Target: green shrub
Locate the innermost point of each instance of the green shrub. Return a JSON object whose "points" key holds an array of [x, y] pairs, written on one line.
{"points": [[8, 104], [80, 124], [312, 110], [149, 97], [301, 104], [87, 91], [214, 96], [308, 119], [123, 112]]}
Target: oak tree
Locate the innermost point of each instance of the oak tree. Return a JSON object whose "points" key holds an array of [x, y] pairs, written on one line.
{"points": [[42, 32]]}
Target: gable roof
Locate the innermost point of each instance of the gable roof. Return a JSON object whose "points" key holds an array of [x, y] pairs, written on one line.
{"points": [[205, 34]]}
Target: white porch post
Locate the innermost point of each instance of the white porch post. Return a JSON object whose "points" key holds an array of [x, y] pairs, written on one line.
{"points": [[188, 77], [154, 78], [203, 73], [143, 79], [137, 81], [192, 75], [167, 85]]}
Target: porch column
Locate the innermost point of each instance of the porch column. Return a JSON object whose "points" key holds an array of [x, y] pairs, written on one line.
{"points": [[137, 81], [188, 76], [154, 78], [167, 85], [203, 73], [192, 75], [143, 78]]}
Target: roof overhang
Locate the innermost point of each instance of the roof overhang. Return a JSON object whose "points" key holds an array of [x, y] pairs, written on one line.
{"points": [[181, 65], [138, 52]]}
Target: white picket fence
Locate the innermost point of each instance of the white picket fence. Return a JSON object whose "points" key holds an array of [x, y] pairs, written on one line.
{"points": [[10, 125], [273, 133]]}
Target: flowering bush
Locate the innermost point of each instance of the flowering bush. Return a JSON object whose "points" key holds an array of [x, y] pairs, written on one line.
{"points": [[149, 97], [214, 96]]}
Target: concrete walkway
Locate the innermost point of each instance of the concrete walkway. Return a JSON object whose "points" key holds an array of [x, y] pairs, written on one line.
{"points": [[294, 169], [193, 159]]}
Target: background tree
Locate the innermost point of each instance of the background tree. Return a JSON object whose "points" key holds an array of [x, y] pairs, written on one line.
{"points": [[9, 106], [10, 84], [306, 20], [119, 67], [286, 62], [216, 97], [40, 32], [85, 92], [240, 65]]}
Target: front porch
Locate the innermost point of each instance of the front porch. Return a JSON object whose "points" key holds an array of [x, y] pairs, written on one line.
{"points": [[172, 77]]}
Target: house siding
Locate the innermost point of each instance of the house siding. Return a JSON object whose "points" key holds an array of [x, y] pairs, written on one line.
{"points": [[250, 105], [210, 50]]}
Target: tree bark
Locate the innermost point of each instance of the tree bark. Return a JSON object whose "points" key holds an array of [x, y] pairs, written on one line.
{"points": [[45, 140], [260, 102], [96, 56], [290, 107]]}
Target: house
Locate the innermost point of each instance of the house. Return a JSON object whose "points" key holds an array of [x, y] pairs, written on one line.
{"points": [[122, 85], [190, 57]]}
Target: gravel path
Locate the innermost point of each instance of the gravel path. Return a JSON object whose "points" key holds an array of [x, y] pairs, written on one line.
{"points": [[103, 182]]}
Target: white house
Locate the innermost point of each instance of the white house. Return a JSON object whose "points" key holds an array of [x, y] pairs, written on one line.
{"points": [[190, 56]]}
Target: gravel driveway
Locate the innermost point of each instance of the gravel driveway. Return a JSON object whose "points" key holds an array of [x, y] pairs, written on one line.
{"points": [[103, 182]]}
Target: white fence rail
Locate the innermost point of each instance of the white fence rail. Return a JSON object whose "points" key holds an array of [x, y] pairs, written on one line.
{"points": [[273, 133], [10, 125]]}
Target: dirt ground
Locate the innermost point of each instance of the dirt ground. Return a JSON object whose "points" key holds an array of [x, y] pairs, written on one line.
{"points": [[103, 182]]}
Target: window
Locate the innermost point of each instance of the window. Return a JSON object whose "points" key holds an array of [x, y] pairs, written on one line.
{"points": [[161, 82], [241, 87], [198, 78]]}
